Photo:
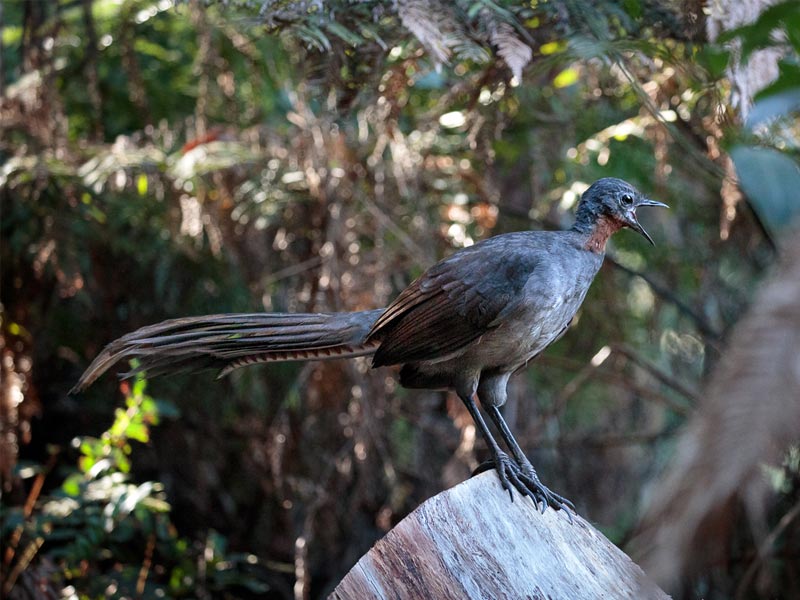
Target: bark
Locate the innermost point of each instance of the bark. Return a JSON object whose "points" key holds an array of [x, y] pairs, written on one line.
{"points": [[761, 69], [472, 542], [748, 417]]}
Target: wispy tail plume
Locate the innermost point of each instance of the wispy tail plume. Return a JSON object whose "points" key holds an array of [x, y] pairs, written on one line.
{"points": [[229, 341]]}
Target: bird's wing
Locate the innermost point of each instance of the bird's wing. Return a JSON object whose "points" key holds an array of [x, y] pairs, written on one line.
{"points": [[452, 304]]}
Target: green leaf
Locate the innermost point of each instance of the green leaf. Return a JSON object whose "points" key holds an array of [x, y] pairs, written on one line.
{"points": [[140, 384], [788, 79], [771, 180], [138, 432], [72, 485], [784, 16], [85, 463], [369, 32], [552, 47], [715, 59], [123, 464], [345, 34], [141, 184], [566, 78], [633, 8], [313, 36], [117, 428], [776, 105]]}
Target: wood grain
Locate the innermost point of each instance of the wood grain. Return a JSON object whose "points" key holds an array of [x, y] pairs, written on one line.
{"points": [[472, 542]]}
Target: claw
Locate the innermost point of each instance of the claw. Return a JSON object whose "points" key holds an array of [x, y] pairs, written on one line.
{"points": [[549, 498], [524, 479], [504, 473]]}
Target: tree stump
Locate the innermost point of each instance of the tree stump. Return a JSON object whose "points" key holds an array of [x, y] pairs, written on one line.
{"points": [[471, 541]]}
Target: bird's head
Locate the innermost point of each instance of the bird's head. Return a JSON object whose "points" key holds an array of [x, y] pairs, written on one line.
{"points": [[614, 202]]}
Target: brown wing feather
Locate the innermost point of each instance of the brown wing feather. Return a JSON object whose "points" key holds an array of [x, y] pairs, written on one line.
{"points": [[431, 329], [454, 303]]}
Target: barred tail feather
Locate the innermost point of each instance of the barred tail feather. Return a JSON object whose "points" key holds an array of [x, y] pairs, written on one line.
{"points": [[230, 341]]}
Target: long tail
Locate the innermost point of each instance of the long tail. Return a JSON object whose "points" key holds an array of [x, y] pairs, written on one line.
{"points": [[227, 342]]}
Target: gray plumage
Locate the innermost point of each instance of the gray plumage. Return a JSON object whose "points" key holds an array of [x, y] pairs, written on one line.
{"points": [[486, 311], [466, 324]]}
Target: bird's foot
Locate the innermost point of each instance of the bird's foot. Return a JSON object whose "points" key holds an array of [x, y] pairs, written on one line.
{"points": [[526, 482], [507, 471], [547, 496]]}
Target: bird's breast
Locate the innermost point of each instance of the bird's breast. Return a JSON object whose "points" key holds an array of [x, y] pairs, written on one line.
{"points": [[527, 331]]}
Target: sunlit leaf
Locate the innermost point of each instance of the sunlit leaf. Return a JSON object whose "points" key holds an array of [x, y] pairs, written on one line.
{"points": [[72, 485], [138, 432], [85, 463], [552, 47], [141, 184], [140, 384], [123, 464], [11, 35], [566, 78]]}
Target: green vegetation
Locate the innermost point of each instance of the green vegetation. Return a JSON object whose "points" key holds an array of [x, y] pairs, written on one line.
{"points": [[161, 159]]}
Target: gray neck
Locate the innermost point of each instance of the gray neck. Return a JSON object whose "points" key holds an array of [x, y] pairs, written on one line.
{"points": [[586, 217]]}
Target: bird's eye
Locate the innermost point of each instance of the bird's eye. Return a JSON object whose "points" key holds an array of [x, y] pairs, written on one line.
{"points": [[626, 200]]}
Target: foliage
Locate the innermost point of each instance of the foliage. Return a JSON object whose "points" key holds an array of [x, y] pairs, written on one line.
{"points": [[112, 538], [768, 163], [164, 159]]}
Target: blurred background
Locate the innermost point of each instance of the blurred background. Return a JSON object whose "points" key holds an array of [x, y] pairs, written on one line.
{"points": [[163, 158]]}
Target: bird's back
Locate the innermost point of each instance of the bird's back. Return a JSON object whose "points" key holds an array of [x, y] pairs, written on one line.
{"points": [[493, 305]]}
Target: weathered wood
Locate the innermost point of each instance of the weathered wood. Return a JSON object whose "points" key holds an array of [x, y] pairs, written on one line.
{"points": [[472, 542]]}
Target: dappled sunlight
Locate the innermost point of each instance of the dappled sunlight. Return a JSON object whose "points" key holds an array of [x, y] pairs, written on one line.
{"points": [[164, 159]]}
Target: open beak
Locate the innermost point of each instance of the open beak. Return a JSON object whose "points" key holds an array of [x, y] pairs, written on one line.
{"points": [[633, 222]]}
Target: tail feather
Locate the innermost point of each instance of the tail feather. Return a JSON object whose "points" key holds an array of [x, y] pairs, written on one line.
{"points": [[230, 341]]}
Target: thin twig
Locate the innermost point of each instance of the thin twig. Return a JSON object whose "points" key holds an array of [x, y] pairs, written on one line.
{"points": [[25, 559], [765, 548], [27, 511], [702, 325], [413, 248], [292, 270], [146, 563], [657, 372], [574, 365]]}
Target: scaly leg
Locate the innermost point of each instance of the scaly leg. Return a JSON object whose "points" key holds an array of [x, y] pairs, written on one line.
{"points": [[508, 471], [528, 473]]}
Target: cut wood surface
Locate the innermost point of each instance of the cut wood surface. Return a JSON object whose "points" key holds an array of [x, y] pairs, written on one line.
{"points": [[471, 541]]}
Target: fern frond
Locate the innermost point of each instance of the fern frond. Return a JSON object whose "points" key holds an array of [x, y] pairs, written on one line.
{"points": [[419, 17], [514, 52]]}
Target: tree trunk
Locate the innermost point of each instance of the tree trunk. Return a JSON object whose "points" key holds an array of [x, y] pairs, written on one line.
{"points": [[472, 542], [748, 418], [762, 67]]}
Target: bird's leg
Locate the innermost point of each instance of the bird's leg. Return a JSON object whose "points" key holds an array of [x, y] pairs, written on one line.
{"points": [[508, 471], [528, 473]]}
